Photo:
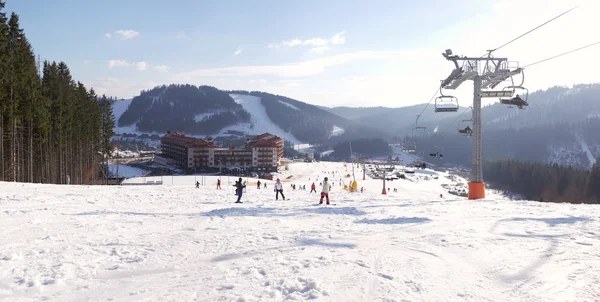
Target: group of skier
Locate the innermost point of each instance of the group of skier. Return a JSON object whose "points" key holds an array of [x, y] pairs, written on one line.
{"points": [[240, 188]]}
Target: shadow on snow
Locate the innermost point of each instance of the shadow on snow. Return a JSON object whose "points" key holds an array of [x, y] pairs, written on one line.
{"points": [[553, 240], [238, 212], [397, 220]]}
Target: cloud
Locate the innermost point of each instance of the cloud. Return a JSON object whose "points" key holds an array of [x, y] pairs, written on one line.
{"points": [[336, 39], [237, 52], [319, 50], [123, 34], [298, 69], [118, 63], [339, 38], [316, 42], [141, 66], [161, 68]]}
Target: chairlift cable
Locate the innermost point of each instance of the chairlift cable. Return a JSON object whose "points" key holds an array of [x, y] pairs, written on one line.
{"points": [[458, 118], [431, 100], [530, 31], [562, 54]]}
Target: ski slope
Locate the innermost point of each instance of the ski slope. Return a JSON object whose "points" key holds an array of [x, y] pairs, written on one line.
{"points": [[586, 149], [259, 118], [174, 242]]}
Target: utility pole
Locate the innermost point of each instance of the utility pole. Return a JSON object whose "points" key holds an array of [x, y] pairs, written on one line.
{"points": [[486, 73]]}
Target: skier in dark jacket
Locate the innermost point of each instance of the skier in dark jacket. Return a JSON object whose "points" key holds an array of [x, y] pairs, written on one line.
{"points": [[239, 190]]}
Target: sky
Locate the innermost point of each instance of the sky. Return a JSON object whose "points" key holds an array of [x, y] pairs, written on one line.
{"points": [[329, 53]]}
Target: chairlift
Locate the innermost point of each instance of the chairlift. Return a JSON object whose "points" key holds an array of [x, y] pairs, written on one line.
{"points": [[464, 127], [419, 131], [437, 152], [446, 103], [409, 147], [519, 101]]}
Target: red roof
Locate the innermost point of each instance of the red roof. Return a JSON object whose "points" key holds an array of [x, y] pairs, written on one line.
{"points": [[190, 142]]}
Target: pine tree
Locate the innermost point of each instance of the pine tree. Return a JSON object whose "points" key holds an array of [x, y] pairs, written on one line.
{"points": [[107, 128], [4, 69], [593, 183]]}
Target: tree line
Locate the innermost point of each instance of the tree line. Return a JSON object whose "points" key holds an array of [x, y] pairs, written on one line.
{"points": [[376, 147], [193, 110], [52, 129], [545, 182]]}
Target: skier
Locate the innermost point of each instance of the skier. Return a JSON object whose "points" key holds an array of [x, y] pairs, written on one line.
{"points": [[265, 185], [325, 191], [218, 184], [258, 185], [279, 190], [197, 185], [313, 188], [239, 190], [362, 189]]}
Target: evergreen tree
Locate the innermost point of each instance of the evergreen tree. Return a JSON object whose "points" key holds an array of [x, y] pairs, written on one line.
{"points": [[51, 129], [593, 183], [108, 125]]}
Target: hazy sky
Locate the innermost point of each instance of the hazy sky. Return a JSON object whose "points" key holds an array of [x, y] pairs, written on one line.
{"points": [[326, 52]]}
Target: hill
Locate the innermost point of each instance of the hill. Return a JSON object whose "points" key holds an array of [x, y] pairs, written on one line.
{"points": [[172, 242], [195, 110], [560, 126], [394, 121], [207, 111]]}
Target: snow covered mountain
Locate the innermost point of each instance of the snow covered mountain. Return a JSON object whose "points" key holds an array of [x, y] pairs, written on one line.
{"points": [[204, 111], [175, 242], [560, 126]]}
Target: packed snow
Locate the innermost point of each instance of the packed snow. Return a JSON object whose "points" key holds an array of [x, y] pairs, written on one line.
{"points": [[336, 131], [118, 108], [586, 149], [175, 242], [261, 122], [289, 105], [125, 171]]}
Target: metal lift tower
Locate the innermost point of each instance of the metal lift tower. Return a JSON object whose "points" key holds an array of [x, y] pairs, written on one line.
{"points": [[486, 73]]}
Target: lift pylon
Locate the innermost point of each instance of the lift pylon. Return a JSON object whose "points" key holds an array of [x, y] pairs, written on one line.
{"points": [[486, 73]]}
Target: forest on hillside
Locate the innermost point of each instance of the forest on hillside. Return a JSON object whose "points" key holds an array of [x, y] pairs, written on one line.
{"points": [[52, 128], [545, 182], [365, 147], [194, 110], [554, 143]]}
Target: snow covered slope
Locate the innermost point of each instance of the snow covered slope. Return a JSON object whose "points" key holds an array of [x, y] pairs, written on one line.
{"points": [[119, 107], [179, 243], [261, 122], [586, 149]]}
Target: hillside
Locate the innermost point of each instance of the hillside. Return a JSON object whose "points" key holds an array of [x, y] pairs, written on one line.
{"points": [[394, 121], [173, 242], [560, 126], [204, 111], [310, 123], [195, 110]]}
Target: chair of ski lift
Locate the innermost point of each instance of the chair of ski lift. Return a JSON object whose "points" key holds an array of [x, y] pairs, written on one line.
{"points": [[420, 131], [437, 152], [446, 103], [409, 147], [518, 101], [464, 128]]}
